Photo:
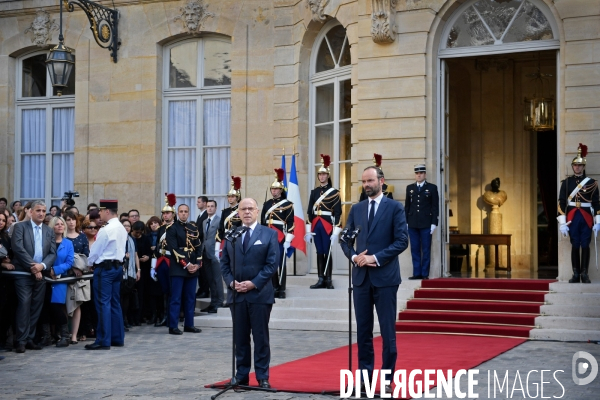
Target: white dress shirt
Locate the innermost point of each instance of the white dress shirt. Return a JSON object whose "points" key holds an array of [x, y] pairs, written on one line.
{"points": [[110, 243]]}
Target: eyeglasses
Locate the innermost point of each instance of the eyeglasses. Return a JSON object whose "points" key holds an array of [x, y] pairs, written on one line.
{"points": [[134, 216], [247, 209], [92, 227]]}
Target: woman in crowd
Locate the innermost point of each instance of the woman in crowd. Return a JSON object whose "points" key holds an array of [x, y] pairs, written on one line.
{"points": [[8, 296], [47, 218], [152, 229], [90, 317], [131, 274], [144, 252], [155, 296], [80, 246], [62, 264], [25, 213], [54, 210], [16, 206]]}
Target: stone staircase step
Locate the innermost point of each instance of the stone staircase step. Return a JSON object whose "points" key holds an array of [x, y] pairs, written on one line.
{"points": [[556, 322], [575, 299], [570, 310], [577, 335], [566, 287]]}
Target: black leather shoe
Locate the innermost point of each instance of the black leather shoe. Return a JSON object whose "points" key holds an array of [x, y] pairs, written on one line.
{"points": [[264, 383], [175, 331], [281, 296], [32, 346], [244, 382], [191, 329], [424, 277], [212, 310], [20, 348], [96, 346], [117, 344], [207, 309], [412, 278]]}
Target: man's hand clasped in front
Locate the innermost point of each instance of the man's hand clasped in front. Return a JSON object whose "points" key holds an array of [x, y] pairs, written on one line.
{"points": [[365, 260], [243, 287]]}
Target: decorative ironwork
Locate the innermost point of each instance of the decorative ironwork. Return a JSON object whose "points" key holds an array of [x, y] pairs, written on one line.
{"points": [[383, 27], [104, 23]]}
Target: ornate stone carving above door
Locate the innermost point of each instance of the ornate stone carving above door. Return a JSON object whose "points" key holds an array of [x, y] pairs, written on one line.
{"points": [[383, 16], [42, 27], [316, 9], [193, 15]]}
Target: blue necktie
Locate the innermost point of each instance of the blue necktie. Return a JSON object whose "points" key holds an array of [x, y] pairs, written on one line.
{"points": [[246, 242], [38, 256], [371, 214]]}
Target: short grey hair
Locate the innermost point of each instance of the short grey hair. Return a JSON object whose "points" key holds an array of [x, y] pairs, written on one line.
{"points": [[36, 203]]}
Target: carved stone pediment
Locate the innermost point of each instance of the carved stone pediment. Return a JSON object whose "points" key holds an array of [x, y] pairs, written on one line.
{"points": [[193, 15], [316, 9], [42, 27], [383, 16]]}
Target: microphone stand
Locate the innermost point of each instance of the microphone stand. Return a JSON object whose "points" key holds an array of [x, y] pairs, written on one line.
{"points": [[232, 237]]}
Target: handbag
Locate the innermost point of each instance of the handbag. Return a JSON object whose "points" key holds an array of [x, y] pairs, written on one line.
{"points": [[80, 262]]}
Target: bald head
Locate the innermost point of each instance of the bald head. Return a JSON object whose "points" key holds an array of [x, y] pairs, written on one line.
{"points": [[248, 211]]}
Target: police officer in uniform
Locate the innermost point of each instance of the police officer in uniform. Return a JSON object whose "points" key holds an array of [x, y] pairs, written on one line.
{"points": [[163, 256], [278, 214], [184, 246], [230, 218], [422, 215], [324, 215], [579, 214], [385, 188], [106, 258]]}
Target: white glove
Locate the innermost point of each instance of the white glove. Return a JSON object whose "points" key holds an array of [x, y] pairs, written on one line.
{"points": [[308, 236], [335, 235], [288, 240], [562, 225], [217, 250], [596, 228], [286, 245], [432, 229], [153, 274]]}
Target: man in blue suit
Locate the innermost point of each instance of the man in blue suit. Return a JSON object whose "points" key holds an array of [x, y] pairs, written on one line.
{"points": [[376, 272], [251, 292]]}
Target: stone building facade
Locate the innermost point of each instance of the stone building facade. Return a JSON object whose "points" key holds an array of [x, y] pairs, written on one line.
{"points": [[206, 89]]}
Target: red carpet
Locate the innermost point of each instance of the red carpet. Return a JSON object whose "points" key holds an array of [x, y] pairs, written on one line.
{"points": [[493, 307], [321, 372]]}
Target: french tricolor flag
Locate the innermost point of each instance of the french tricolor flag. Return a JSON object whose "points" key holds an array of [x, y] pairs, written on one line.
{"points": [[294, 197]]}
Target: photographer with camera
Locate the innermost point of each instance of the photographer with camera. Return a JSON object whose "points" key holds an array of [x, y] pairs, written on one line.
{"points": [[68, 202]]}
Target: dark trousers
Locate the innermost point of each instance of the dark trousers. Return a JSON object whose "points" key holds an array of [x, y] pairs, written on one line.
{"points": [[215, 280], [30, 300], [281, 271], [420, 250], [8, 308], [183, 290], [321, 239], [579, 231], [384, 299], [107, 297], [252, 319], [203, 281]]}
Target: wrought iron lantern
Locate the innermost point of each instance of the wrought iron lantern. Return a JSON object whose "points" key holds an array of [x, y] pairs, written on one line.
{"points": [[104, 25], [538, 111]]}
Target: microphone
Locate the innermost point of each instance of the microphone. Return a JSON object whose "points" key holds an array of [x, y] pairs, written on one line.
{"points": [[354, 233], [233, 234], [343, 235]]}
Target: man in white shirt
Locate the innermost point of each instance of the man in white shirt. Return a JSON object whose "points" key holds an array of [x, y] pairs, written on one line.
{"points": [[106, 258]]}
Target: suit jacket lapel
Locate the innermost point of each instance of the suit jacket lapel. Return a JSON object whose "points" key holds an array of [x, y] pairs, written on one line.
{"points": [[379, 213], [29, 230], [254, 237]]}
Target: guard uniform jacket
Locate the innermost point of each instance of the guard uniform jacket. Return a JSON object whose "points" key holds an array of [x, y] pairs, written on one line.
{"points": [[225, 224], [281, 218], [586, 200], [422, 207], [184, 246], [328, 211]]}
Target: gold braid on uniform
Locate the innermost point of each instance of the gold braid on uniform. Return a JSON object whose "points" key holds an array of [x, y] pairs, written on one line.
{"points": [[560, 211], [282, 208], [333, 197]]}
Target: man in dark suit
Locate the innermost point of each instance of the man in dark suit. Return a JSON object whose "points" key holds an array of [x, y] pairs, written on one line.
{"points": [[203, 280], [34, 250], [376, 272], [422, 214], [210, 262], [250, 291]]}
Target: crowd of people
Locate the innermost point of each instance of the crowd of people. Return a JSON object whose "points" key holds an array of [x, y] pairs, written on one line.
{"points": [[55, 305]]}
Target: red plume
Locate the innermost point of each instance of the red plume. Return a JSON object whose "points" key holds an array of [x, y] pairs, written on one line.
{"points": [[326, 160], [583, 150], [280, 172], [377, 158], [171, 199], [237, 182]]}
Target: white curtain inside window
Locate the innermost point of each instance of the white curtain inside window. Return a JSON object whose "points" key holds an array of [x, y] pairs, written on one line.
{"points": [[63, 143], [182, 148], [217, 136], [33, 159]]}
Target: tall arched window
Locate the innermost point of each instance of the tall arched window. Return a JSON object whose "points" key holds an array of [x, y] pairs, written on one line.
{"points": [[45, 139], [330, 107], [196, 122]]}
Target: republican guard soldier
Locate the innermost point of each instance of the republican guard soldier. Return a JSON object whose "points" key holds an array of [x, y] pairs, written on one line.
{"points": [[324, 215], [422, 215], [230, 218], [278, 214], [385, 188], [184, 246], [579, 214]]}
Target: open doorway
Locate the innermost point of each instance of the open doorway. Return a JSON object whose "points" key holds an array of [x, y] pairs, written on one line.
{"points": [[486, 139]]}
